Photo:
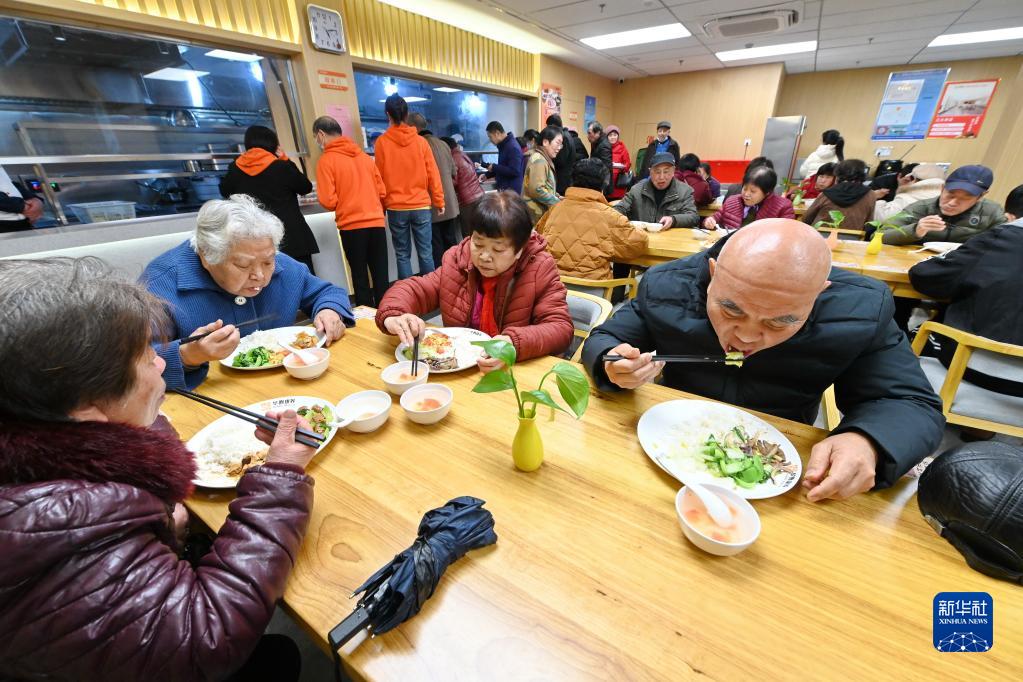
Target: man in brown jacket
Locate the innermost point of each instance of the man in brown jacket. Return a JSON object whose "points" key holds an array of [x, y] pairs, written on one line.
{"points": [[446, 232], [584, 234]]}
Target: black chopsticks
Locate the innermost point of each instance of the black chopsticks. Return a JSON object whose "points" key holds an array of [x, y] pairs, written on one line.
{"points": [[261, 420], [676, 358], [415, 356], [261, 318]]}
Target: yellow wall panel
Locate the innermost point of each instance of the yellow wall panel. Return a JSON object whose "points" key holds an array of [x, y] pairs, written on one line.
{"points": [[381, 33], [273, 19]]}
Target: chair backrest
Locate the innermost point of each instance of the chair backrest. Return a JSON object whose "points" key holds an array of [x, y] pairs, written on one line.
{"points": [[329, 263], [601, 287], [128, 256], [588, 311]]}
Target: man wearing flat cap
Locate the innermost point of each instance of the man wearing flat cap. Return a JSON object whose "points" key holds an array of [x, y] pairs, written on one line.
{"points": [[662, 144], [661, 198]]}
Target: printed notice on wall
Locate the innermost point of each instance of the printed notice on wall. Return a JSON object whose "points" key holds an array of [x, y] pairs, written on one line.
{"points": [[332, 80], [908, 104], [550, 100], [343, 115], [962, 109], [590, 110]]}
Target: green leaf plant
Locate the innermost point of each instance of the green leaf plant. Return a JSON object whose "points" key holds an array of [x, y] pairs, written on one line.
{"points": [[572, 383]]}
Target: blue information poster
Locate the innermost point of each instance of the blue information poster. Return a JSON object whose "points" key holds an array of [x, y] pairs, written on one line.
{"points": [[908, 105], [591, 110]]}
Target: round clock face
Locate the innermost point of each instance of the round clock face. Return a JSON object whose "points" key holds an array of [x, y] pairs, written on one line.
{"points": [[325, 29]]}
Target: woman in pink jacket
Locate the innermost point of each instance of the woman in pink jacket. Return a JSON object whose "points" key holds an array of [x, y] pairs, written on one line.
{"points": [[756, 202]]}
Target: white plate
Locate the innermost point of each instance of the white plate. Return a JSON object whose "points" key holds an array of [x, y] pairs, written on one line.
{"points": [[234, 426], [663, 429], [465, 352], [940, 247], [284, 336]]}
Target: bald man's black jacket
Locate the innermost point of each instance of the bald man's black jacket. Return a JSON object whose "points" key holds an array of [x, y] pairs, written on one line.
{"points": [[849, 340]]}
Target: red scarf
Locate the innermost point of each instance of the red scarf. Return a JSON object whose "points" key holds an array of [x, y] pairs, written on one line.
{"points": [[488, 323]]}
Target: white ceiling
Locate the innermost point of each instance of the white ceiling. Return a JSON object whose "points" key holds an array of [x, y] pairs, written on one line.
{"points": [[850, 33]]}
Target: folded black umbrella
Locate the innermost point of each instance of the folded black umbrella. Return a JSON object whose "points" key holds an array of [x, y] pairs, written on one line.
{"points": [[398, 590]]}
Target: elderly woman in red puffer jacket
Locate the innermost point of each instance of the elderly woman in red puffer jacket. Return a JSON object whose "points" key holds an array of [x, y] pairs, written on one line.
{"points": [[500, 280], [91, 583]]}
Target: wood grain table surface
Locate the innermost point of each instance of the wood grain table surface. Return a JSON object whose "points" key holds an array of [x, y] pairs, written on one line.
{"points": [[591, 578]]}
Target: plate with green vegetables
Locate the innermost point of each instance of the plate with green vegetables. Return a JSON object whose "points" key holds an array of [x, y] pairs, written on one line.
{"points": [[708, 442]]}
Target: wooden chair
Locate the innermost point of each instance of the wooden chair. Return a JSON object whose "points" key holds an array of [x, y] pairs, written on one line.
{"points": [[964, 403], [592, 286], [587, 312]]}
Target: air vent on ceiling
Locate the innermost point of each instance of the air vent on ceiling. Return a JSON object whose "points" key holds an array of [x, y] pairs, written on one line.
{"points": [[756, 23]]}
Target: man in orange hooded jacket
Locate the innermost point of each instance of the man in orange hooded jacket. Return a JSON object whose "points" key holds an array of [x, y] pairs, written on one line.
{"points": [[412, 180], [348, 183]]}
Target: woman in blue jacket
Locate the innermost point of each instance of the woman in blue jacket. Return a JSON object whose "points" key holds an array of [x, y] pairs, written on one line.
{"points": [[230, 272]]}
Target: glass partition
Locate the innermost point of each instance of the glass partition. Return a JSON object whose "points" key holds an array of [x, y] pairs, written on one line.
{"points": [[148, 124], [462, 113]]}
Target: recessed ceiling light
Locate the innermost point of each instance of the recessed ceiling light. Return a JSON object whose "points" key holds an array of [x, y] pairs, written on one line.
{"points": [[652, 34], [446, 89], [766, 51], [174, 74], [1014, 33], [234, 56], [412, 99]]}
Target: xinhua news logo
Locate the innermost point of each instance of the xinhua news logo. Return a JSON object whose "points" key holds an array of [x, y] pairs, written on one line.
{"points": [[964, 622]]}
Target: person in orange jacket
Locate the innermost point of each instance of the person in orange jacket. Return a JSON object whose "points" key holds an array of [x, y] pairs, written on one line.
{"points": [[412, 180], [348, 183]]}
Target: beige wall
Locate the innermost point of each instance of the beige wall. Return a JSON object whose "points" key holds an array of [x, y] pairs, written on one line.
{"points": [[712, 112], [576, 84], [849, 100]]}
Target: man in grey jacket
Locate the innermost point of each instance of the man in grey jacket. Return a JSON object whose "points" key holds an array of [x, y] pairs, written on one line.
{"points": [[769, 292], [958, 213], [661, 198], [447, 231]]}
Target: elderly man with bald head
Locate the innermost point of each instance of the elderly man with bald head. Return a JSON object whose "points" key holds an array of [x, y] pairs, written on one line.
{"points": [[769, 291]]}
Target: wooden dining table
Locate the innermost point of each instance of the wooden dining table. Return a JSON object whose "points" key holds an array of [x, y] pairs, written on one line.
{"points": [[891, 265], [591, 577]]}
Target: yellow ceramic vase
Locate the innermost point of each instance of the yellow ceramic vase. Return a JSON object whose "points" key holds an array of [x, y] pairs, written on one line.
{"points": [[876, 242], [527, 448]]}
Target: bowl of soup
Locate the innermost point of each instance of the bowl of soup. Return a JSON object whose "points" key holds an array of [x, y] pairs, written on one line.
{"points": [[398, 377], [299, 369], [428, 403], [367, 410], [702, 531]]}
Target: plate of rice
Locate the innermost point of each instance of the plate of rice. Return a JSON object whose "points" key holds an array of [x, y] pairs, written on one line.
{"points": [[226, 448], [714, 443], [265, 349]]}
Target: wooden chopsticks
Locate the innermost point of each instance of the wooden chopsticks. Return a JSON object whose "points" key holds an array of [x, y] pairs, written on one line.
{"points": [[262, 318], [260, 420], [675, 358], [415, 356]]}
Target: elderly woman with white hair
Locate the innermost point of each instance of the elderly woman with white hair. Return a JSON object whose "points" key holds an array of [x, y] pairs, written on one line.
{"points": [[231, 272]]}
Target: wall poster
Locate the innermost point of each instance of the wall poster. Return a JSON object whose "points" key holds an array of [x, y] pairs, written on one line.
{"points": [[908, 104], [962, 108], [550, 101]]}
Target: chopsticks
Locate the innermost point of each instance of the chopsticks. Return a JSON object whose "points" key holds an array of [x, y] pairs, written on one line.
{"points": [[260, 420], [415, 356], [674, 358], [261, 318]]}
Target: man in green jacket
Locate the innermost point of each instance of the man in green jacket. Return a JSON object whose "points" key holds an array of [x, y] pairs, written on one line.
{"points": [[661, 198], [960, 212]]}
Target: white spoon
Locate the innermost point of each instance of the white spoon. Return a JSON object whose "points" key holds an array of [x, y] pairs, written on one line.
{"points": [[716, 507], [304, 355]]}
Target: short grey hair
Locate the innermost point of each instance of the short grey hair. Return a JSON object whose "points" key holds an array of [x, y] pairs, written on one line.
{"points": [[48, 372], [222, 222]]}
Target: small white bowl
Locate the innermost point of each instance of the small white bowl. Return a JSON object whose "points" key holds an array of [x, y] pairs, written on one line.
{"points": [[303, 371], [438, 392], [748, 518], [364, 411], [392, 376]]}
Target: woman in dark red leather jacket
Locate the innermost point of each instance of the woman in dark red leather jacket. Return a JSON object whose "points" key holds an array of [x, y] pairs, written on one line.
{"points": [[91, 584]]}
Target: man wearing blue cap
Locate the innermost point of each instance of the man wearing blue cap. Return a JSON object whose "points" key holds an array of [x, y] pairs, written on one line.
{"points": [[960, 212]]}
